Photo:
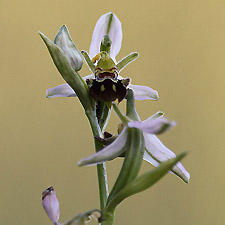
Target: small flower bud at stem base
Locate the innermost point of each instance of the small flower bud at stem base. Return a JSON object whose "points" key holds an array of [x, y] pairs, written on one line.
{"points": [[50, 204]]}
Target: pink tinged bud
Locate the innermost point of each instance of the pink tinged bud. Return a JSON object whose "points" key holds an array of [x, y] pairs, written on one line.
{"points": [[51, 204]]}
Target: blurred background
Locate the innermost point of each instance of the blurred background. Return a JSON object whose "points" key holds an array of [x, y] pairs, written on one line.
{"points": [[182, 56]]}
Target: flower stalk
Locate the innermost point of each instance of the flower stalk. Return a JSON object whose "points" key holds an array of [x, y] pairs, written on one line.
{"points": [[101, 168]]}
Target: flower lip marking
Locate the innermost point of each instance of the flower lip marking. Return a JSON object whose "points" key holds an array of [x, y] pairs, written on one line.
{"points": [[102, 74], [107, 90]]}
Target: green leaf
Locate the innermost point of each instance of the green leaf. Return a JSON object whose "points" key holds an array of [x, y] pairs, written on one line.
{"points": [[69, 74], [132, 161], [143, 182]]}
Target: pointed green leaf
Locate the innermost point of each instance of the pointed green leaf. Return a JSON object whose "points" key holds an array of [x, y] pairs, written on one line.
{"points": [[132, 162], [143, 182]]}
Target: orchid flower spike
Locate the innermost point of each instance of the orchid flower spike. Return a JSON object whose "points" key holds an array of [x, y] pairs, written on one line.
{"points": [[107, 36], [51, 205]]}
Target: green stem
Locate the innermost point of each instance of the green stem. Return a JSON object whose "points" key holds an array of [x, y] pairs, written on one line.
{"points": [[108, 218], [131, 108], [101, 168], [102, 181], [103, 114], [124, 119]]}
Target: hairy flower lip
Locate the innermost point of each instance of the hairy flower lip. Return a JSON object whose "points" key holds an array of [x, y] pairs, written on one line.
{"points": [[140, 92], [108, 90]]}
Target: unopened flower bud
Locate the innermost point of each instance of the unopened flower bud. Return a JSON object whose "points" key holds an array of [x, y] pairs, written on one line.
{"points": [[65, 42], [51, 204]]}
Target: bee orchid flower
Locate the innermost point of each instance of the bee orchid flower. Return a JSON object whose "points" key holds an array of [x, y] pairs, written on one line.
{"points": [[109, 26], [155, 152]]}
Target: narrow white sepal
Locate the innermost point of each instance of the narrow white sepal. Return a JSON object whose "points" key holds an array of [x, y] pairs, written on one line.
{"points": [[156, 152], [109, 152], [115, 34], [65, 42], [64, 90], [143, 92], [153, 125], [149, 158]]}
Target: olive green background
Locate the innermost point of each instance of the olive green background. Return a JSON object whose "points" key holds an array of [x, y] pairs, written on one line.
{"points": [[182, 56]]}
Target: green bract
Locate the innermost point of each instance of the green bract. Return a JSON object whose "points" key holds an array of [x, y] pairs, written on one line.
{"points": [[68, 73], [142, 182], [65, 42]]}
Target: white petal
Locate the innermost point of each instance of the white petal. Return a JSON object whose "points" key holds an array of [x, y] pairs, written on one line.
{"points": [[64, 90], [143, 92], [153, 125], [114, 32], [157, 152], [149, 159], [108, 153]]}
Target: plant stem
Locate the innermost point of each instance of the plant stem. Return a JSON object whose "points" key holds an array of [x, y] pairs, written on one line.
{"points": [[102, 184], [124, 119], [109, 218], [101, 168]]}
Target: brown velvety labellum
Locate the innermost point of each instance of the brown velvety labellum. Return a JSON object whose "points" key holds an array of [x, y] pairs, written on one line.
{"points": [[108, 90]]}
